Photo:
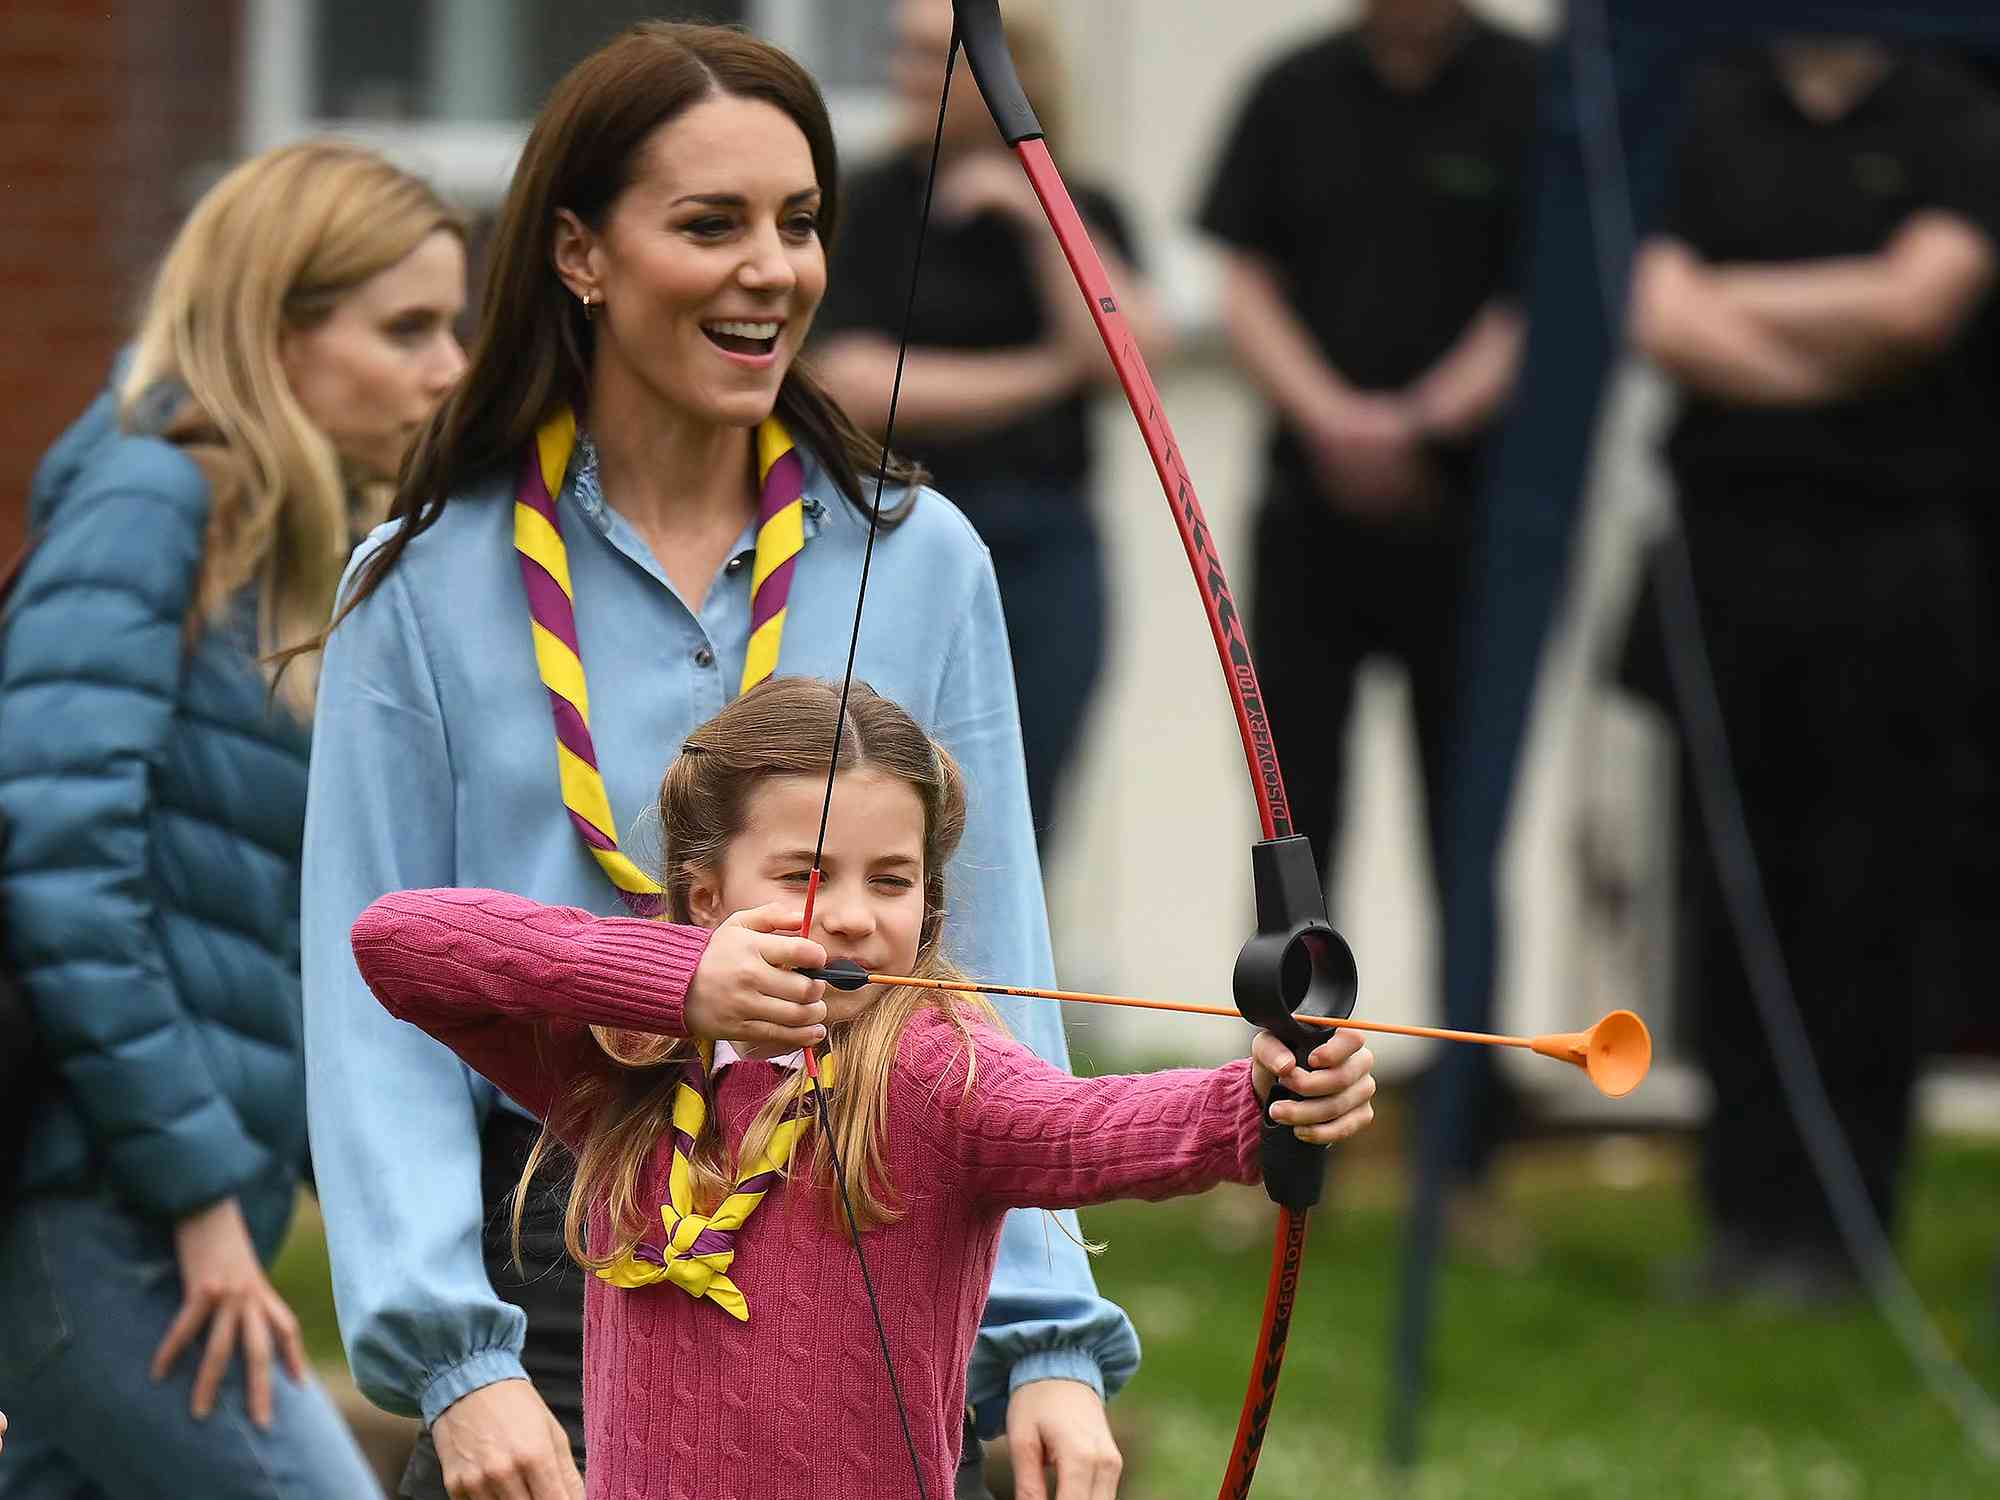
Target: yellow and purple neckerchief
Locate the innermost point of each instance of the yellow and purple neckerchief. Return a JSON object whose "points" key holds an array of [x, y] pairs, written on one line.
{"points": [[699, 1248], [552, 606]]}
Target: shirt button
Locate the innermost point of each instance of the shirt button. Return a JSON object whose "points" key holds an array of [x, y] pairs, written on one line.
{"points": [[734, 565], [703, 657]]}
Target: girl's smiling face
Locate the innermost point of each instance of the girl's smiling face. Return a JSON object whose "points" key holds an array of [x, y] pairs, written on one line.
{"points": [[870, 906]]}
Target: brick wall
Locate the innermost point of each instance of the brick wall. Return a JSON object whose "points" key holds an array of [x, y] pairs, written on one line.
{"points": [[112, 118]]}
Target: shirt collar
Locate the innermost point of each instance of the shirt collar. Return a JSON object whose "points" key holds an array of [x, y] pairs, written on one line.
{"points": [[724, 1054], [1779, 94], [587, 490]]}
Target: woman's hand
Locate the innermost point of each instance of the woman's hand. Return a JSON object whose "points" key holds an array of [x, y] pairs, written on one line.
{"points": [[747, 988], [1333, 1092], [1060, 1425], [224, 1287], [501, 1442], [993, 182], [987, 182], [1367, 452]]}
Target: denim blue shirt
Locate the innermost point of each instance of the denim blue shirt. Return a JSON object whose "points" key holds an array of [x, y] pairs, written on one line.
{"points": [[434, 765]]}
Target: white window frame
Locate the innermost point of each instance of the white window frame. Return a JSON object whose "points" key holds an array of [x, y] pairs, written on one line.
{"points": [[471, 161]]}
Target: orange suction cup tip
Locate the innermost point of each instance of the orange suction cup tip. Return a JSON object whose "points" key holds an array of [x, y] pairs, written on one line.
{"points": [[1616, 1052], [1621, 1050]]}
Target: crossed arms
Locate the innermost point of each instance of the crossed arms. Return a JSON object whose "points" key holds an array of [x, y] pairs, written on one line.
{"points": [[1797, 333]]}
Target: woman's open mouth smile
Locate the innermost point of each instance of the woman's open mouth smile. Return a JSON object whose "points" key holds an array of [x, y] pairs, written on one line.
{"points": [[751, 342]]}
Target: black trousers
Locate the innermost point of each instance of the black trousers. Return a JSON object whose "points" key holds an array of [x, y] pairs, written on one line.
{"points": [[548, 1288], [1973, 1021], [971, 1482], [1329, 592], [550, 1291], [1839, 631], [1048, 559]]}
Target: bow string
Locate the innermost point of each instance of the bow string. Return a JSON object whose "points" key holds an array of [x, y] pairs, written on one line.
{"points": [[1295, 964], [833, 766]]}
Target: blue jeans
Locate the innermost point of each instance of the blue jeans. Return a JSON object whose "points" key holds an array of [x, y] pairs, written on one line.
{"points": [[86, 1293]]}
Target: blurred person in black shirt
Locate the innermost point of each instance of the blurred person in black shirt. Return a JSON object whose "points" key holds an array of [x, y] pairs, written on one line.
{"points": [[1002, 363], [1369, 199], [1833, 240]]}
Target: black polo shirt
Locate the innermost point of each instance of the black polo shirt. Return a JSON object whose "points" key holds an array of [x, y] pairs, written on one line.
{"points": [[977, 291], [1391, 217], [1760, 181]]}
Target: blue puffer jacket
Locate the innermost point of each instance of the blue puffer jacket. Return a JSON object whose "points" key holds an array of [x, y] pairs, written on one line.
{"points": [[151, 881]]}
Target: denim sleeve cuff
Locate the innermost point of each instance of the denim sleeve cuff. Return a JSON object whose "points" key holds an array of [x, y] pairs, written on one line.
{"points": [[1057, 1364], [475, 1372], [989, 1417]]}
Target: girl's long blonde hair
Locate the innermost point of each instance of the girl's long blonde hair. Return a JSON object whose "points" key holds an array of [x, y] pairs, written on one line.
{"points": [[783, 727], [272, 247]]}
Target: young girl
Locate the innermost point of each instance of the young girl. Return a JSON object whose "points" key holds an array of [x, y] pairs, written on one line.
{"points": [[729, 1345]]}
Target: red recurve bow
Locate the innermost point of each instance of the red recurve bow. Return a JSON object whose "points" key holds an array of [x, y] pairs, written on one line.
{"points": [[1295, 963]]}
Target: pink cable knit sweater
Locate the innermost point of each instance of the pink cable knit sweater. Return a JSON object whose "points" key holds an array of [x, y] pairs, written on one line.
{"points": [[681, 1401]]}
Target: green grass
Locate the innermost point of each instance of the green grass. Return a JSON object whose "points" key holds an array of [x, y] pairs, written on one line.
{"points": [[1567, 1379], [300, 1273], [1564, 1380]]}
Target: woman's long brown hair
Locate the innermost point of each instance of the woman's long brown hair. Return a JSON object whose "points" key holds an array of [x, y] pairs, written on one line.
{"points": [[782, 727], [534, 345]]}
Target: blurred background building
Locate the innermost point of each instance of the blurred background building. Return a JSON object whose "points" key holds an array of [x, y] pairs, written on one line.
{"points": [[111, 120]]}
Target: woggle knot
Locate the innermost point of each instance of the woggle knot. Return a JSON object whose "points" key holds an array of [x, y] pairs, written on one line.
{"points": [[695, 1259], [699, 1247]]}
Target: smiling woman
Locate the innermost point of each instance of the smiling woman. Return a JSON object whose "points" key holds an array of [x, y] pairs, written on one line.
{"points": [[637, 504], [702, 279], [692, 249]]}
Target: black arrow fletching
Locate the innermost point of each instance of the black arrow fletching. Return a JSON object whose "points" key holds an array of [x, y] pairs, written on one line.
{"points": [[845, 974]]}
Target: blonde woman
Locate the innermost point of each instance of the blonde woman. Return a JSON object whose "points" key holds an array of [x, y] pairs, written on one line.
{"points": [[153, 773]]}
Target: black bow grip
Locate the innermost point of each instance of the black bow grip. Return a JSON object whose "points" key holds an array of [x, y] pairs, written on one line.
{"points": [[1295, 965]]}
